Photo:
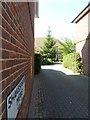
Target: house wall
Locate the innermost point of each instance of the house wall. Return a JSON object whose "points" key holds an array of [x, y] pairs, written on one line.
{"points": [[16, 52], [82, 42], [82, 33]]}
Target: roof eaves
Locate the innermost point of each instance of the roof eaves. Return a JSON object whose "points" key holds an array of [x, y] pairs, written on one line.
{"points": [[82, 14]]}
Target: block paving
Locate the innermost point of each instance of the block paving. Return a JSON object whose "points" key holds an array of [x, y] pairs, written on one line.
{"points": [[57, 95]]}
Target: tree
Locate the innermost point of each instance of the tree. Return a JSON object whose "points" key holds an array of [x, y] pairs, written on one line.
{"points": [[49, 50], [67, 46]]}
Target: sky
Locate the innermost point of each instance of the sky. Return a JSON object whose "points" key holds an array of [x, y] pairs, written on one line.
{"points": [[58, 14]]}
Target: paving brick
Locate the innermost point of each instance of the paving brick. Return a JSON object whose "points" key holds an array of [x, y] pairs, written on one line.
{"points": [[57, 95]]}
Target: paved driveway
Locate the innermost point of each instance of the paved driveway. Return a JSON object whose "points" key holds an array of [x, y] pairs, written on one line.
{"points": [[59, 93]]}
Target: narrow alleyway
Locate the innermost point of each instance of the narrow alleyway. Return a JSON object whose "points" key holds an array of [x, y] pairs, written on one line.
{"points": [[58, 93]]}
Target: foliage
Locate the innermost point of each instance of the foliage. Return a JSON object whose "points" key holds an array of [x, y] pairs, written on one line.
{"points": [[49, 50], [60, 59], [67, 46], [37, 51], [47, 61], [73, 62], [37, 63]]}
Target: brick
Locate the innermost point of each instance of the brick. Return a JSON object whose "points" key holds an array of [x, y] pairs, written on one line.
{"points": [[8, 28], [5, 15], [7, 91], [15, 21], [0, 109], [2, 85], [13, 85], [2, 95], [0, 75], [12, 70], [9, 80], [3, 64], [3, 4], [0, 54], [0, 43], [17, 44], [5, 35], [14, 48], [10, 63], [3, 44], [5, 54], [12, 25], [13, 40], [4, 115], [0, 98], [0, 8], [12, 54], [8, 46], [0, 65], [5, 74], [3, 105], [3, 23], [8, 11]]}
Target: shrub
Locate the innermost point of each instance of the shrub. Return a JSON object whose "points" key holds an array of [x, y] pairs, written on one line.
{"points": [[60, 60], [37, 63], [73, 62], [44, 60], [47, 61]]}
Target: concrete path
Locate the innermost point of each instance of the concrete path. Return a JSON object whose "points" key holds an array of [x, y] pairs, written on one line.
{"points": [[59, 93]]}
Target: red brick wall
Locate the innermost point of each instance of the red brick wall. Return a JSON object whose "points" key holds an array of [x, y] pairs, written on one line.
{"points": [[16, 51]]}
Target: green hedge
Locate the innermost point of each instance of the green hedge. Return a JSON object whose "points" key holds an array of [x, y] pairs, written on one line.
{"points": [[37, 63], [73, 62]]}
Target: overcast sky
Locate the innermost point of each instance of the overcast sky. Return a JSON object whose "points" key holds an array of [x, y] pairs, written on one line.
{"points": [[58, 14]]}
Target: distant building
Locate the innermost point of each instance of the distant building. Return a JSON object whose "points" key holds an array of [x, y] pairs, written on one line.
{"points": [[83, 37], [39, 42]]}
